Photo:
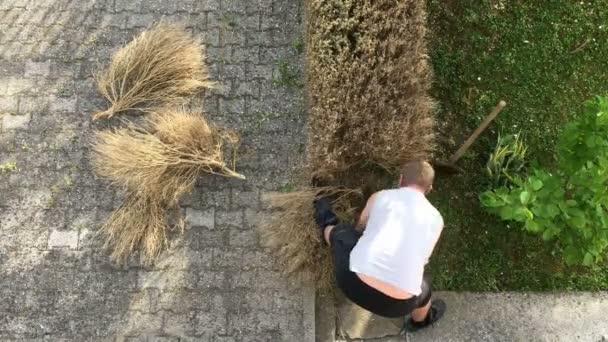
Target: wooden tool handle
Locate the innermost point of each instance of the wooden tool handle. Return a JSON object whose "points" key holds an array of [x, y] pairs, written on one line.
{"points": [[477, 132]]}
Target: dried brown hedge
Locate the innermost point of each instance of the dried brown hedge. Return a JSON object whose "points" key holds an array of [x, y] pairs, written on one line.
{"points": [[294, 237], [164, 65], [368, 78], [157, 163]]}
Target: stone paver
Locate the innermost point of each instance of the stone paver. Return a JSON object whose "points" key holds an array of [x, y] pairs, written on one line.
{"points": [[215, 283], [14, 122]]}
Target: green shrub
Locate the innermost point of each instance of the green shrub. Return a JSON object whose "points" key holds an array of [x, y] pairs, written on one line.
{"points": [[569, 204]]}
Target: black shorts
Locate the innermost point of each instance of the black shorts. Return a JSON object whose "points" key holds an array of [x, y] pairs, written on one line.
{"points": [[343, 238]]}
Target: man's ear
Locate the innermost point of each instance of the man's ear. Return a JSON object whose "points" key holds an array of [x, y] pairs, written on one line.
{"points": [[400, 181], [429, 189]]}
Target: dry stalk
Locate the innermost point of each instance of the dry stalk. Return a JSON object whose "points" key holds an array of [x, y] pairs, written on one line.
{"points": [[166, 163], [139, 223], [294, 238], [164, 65]]}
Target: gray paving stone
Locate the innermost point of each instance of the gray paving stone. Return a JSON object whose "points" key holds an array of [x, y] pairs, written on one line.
{"points": [[233, 71], [233, 36], [59, 238], [15, 122], [17, 85], [210, 37], [37, 68], [184, 301], [62, 104], [163, 339], [117, 20], [200, 218], [167, 280], [142, 323], [217, 199], [127, 5], [209, 279], [201, 259], [9, 104], [232, 218], [239, 237], [139, 21], [167, 7], [200, 238], [245, 199]]}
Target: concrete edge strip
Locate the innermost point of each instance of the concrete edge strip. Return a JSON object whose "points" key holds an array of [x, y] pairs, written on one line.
{"points": [[308, 314]]}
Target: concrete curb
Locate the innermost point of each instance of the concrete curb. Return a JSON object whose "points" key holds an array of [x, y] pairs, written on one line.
{"points": [[506, 316], [325, 315], [308, 314]]}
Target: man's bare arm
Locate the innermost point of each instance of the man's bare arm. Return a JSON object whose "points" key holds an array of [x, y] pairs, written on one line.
{"points": [[365, 213]]}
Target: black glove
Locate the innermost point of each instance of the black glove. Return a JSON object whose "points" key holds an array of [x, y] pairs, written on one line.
{"points": [[324, 215]]}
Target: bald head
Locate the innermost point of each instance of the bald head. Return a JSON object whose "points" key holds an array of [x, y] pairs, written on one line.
{"points": [[418, 173]]}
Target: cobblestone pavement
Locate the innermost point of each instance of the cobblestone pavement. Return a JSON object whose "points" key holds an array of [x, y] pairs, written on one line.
{"points": [[215, 283]]}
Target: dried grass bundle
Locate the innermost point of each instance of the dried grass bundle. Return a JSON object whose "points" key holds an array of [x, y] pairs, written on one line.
{"points": [[293, 236], [165, 159], [140, 223], [164, 65], [157, 164], [369, 78]]}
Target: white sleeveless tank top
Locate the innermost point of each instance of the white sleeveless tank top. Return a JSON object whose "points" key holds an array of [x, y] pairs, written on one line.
{"points": [[400, 235]]}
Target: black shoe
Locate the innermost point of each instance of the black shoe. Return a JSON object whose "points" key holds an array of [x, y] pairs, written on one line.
{"points": [[324, 215], [319, 182], [437, 310]]}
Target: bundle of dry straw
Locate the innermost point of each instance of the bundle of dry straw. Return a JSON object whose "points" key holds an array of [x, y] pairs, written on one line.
{"points": [[157, 163], [165, 156], [295, 238], [140, 223], [164, 65]]}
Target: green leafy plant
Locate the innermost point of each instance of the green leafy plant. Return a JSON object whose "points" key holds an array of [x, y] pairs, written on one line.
{"points": [[507, 160], [570, 204]]}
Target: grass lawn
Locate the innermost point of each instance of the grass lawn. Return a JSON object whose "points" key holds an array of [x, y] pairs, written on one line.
{"points": [[544, 58]]}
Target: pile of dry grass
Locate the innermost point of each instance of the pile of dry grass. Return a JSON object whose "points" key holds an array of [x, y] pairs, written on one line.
{"points": [[158, 159], [166, 156], [368, 77], [157, 163], [294, 236], [140, 223], [164, 65]]}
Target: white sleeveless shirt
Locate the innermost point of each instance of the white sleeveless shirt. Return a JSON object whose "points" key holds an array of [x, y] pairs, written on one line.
{"points": [[400, 235]]}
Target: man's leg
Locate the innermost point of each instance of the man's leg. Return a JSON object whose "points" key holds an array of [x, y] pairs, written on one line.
{"points": [[340, 237], [420, 314], [428, 311], [327, 233]]}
